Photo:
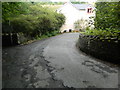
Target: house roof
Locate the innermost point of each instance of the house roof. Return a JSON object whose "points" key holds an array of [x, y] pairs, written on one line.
{"points": [[78, 6], [81, 6]]}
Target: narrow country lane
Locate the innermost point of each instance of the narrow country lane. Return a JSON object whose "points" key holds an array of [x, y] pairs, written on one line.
{"points": [[55, 62], [76, 69]]}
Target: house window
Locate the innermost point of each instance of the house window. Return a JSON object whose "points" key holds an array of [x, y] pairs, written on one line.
{"points": [[89, 10]]}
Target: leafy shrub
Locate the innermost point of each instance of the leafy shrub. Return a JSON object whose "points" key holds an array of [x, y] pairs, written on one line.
{"points": [[13, 9], [107, 21], [107, 15], [81, 24], [35, 22], [108, 34], [24, 23]]}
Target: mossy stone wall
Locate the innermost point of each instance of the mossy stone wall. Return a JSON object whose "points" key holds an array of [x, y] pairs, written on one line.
{"points": [[105, 49]]}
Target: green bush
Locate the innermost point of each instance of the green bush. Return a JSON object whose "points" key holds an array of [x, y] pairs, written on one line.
{"points": [[107, 20], [107, 33], [107, 15], [13, 9], [36, 21], [24, 23]]}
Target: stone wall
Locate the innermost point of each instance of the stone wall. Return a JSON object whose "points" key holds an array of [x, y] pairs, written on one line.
{"points": [[100, 48], [14, 39], [9, 39]]}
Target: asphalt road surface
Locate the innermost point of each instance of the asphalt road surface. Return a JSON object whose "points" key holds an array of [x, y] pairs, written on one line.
{"points": [[55, 63]]}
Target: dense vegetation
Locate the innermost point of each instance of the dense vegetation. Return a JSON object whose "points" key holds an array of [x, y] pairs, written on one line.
{"points": [[107, 21], [30, 19], [107, 15]]}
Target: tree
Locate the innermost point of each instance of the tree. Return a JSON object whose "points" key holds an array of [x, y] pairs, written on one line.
{"points": [[33, 19], [12, 9]]}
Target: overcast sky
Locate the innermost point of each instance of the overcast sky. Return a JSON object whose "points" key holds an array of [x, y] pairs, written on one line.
{"points": [[73, 0], [86, 0], [90, 1]]}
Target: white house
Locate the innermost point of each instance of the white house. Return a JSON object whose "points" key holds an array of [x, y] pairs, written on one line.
{"points": [[74, 12]]}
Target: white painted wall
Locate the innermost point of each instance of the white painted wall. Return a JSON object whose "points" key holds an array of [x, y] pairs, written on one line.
{"points": [[72, 14]]}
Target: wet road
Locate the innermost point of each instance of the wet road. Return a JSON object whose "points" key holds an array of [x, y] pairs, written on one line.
{"points": [[55, 62]]}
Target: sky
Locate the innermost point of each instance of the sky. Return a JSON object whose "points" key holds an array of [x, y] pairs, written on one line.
{"points": [[73, 0], [52, 0], [89, 1]]}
